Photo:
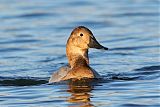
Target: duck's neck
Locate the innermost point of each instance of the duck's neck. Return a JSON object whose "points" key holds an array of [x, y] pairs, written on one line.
{"points": [[77, 56]]}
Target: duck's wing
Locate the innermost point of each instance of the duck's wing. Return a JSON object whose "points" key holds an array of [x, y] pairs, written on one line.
{"points": [[57, 76]]}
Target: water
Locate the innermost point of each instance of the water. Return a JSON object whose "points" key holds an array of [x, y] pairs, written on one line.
{"points": [[33, 34]]}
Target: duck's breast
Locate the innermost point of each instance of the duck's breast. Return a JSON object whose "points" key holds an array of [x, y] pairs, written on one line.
{"points": [[81, 72]]}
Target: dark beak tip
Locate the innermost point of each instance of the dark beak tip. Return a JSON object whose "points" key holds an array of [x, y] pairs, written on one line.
{"points": [[105, 48], [94, 44]]}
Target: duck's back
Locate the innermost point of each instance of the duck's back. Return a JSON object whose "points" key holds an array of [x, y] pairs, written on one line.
{"points": [[60, 74]]}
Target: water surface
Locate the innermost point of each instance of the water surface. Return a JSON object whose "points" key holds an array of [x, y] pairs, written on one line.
{"points": [[33, 35]]}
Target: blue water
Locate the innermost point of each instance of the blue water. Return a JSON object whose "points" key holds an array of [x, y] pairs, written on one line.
{"points": [[33, 35]]}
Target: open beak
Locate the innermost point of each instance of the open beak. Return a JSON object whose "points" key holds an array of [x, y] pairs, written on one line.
{"points": [[94, 44]]}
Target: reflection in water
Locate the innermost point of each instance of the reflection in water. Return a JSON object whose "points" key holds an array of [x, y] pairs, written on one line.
{"points": [[80, 92]]}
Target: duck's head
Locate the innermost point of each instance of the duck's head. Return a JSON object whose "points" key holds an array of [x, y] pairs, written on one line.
{"points": [[81, 37], [80, 40]]}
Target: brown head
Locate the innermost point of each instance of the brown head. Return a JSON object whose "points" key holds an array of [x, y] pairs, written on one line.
{"points": [[80, 40]]}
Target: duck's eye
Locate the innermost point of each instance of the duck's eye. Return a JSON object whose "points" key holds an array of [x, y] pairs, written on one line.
{"points": [[81, 34]]}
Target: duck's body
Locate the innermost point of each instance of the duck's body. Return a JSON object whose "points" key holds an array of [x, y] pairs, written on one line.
{"points": [[65, 73], [80, 40]]}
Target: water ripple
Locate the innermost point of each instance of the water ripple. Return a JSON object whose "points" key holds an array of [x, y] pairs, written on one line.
{"points": [[22, 81], [20, 41], [136, 14], [134, 47], [14, 49], [30, 15], [148, 68]]}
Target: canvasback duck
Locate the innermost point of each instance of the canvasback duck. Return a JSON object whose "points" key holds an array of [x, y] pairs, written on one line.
{"points": [[80, 40]]}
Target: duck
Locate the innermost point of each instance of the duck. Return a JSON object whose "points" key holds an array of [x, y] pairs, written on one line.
{"points": [[78, 44]]}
